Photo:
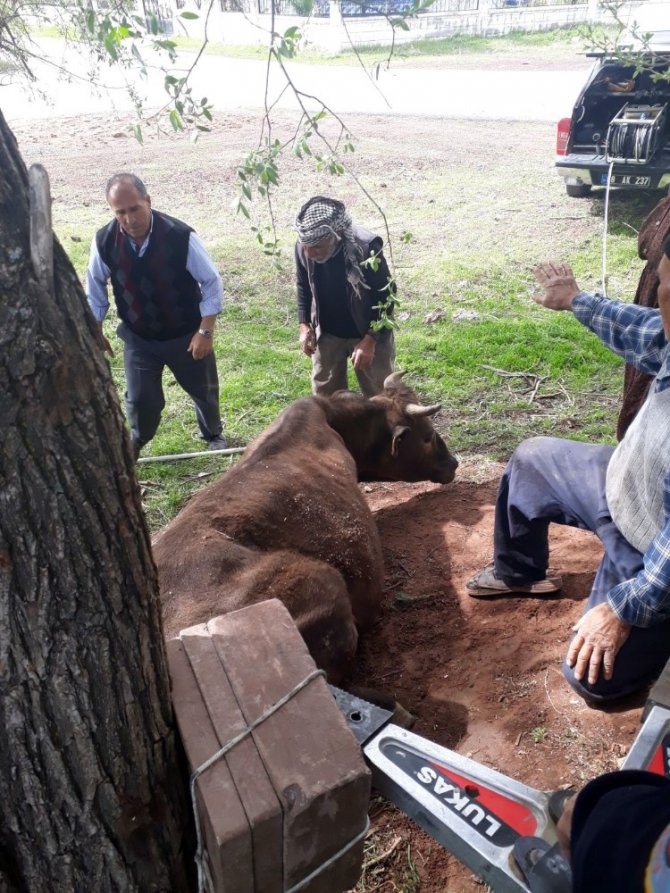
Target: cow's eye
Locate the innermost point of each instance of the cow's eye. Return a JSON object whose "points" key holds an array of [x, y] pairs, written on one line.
{"points": [[428, 438]]}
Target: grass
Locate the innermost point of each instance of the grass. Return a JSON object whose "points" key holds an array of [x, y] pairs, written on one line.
{"points": [[458, 45], [513, 371], [431, 49], [538, 734]]}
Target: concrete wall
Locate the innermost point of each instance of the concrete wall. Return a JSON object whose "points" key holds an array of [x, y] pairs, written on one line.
{"points": [[330, 34]]}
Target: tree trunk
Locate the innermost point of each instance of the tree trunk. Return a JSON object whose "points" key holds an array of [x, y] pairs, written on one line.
{"points": [[92, 795]]}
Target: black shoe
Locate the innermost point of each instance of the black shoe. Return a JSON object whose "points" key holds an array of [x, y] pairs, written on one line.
{"points": [[217, 443]]}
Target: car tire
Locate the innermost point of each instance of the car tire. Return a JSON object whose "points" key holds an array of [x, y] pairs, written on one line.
{"points": [[577, 190]]}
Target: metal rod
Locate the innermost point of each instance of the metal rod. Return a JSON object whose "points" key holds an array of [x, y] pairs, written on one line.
{"points": [[145, 460]]}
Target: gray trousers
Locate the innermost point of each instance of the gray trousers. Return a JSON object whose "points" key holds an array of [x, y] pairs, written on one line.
{"points": [[144, 363], [549, 480], [329, 365]]}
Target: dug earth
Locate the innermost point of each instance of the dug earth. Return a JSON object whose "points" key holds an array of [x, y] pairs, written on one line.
{"points": [[482, 676]]}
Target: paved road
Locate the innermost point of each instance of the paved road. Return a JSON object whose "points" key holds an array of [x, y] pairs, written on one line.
{"points": [[239, 84]]}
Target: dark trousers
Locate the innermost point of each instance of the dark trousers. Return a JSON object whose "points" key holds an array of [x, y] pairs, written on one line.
{"points": [[562, 481], [144, 363]]}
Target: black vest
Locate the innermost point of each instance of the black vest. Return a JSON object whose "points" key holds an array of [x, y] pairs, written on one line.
{"points": [[156, 296]]}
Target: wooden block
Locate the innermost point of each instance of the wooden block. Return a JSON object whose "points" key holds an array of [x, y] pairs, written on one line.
{"points": [[311, 757], [222, 817], [254, 788]]}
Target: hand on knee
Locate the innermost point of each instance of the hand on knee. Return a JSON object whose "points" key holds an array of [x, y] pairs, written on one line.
{"points": [[599, 635]]}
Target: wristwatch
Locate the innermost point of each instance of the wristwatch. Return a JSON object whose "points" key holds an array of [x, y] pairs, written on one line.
{"points": [[206, 333]]}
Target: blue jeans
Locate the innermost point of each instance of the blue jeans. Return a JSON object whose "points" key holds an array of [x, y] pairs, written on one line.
{"points": [[562, 481]]}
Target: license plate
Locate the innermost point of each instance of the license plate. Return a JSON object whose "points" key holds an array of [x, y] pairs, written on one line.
{"points": [[627, 180]]}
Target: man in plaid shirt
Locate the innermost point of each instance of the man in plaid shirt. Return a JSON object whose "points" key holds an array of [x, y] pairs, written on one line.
{"points": [[622, 641]]}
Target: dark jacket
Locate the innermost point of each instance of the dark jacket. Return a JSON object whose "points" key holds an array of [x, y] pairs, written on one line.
{"points": [[618, 821], [361, 308]]}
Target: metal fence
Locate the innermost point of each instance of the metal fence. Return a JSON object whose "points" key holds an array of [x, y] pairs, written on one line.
{"points": [[317, 8], [396, 7], [507, 4], [454, 6], [235, 5], [354, 8]]}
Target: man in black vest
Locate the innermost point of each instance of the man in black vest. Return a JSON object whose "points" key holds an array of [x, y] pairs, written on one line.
{"points": [[345, 299], [168, 294]]}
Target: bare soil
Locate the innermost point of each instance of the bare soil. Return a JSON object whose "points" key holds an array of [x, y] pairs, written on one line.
{"points": [[483, 677]]}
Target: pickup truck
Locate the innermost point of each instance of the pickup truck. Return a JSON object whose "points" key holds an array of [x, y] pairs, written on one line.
{"points": [[620, 126]]}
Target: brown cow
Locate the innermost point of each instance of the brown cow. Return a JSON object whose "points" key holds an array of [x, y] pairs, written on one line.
{"points": [[290, 522]]}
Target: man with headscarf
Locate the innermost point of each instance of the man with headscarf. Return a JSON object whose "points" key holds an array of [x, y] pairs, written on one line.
{"points": [[344, 302]]}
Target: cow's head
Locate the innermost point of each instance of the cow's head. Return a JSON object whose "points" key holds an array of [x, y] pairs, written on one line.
{"points": [[397, 441]]}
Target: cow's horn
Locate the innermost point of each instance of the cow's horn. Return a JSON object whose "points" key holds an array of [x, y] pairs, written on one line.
{"points": [[416, 409], [393, 379]]}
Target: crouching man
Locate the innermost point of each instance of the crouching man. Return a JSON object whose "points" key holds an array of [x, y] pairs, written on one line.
{"points": [[622, 494]]}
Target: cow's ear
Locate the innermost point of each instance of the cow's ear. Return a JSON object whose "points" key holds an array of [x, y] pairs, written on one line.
{"points": [[398, 433]]}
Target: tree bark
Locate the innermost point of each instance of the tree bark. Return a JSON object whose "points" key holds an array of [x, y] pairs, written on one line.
{"points": [[92, 794]]}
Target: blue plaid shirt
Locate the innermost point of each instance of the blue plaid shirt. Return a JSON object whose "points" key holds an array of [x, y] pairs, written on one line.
{"points": [[636, 334]]}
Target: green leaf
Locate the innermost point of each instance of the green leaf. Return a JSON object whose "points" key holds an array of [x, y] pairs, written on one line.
{"points": [[403, 600], [188, 15], [175, 120]]}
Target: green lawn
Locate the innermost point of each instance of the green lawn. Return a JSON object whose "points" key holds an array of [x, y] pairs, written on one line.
{"points": [[456, 46], [521, 44]]}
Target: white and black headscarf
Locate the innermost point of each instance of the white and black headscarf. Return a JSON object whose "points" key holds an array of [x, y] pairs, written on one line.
{"points": [[321, 217]]}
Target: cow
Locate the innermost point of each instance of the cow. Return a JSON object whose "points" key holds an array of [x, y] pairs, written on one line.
{"points": [[289, 521]]}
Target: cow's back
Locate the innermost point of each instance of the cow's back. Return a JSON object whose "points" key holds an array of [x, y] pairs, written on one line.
{"points": [[295, 491]]}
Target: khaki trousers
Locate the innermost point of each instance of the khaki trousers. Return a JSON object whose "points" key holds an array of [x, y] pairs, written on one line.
{"points": [[330, 365]]}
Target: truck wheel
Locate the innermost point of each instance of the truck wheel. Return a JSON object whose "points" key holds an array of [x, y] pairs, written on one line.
{"points": [[577, 190]]}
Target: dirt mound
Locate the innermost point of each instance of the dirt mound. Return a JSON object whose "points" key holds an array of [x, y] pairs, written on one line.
{"points": [[482, 676]]}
